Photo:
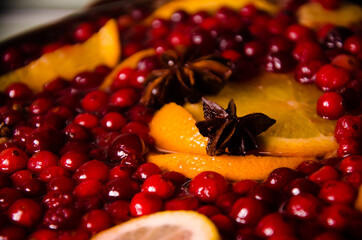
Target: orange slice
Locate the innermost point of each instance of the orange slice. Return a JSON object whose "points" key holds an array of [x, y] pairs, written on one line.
{"points": [[313, 15], [102, 48], [192, 6], [130, 62], [358, 203], [167, 225], [233, 168]]}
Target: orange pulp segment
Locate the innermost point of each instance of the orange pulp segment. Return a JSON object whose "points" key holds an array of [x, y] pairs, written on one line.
{"points": [[102, 48]]}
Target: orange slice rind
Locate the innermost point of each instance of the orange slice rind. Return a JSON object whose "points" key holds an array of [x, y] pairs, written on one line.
{"points": [[102, 48]]}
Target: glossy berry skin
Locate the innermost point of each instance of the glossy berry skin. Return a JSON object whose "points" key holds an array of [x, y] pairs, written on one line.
{"points": [[25, 212], [44, 138], [12, 232], [330, 105], [8, 196], [118, 210], [55, 199], [351, 164], [301, 185], [120, 189], [40, 106], [122, 78], [94, 101], [113, 121], [156, 184], [208, 210], [93, 169], [87, 120], [247, 211], [224, 224], [87, 188], [273, 225], [76, 132], [96, 221], [72, 160], [86, 80], [337, 216], [144, 204], [349, 147], [125, 97], [61, 183], [125, 144], [42, 160], [44, 234], [18, 91], [324, 174], [146, 170], [348, 126], [187, 202], [280, 177], [305, 72], [353, 44], [208, 185], [61, 218], [337, 192], [308, 167], [12, 160], [307, 50], [303, 206], [83, 31], [331, 78]]}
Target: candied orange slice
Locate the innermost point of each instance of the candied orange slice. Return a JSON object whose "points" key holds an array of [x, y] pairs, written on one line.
{"points": [[313, 15], [167, 225], [192, 6], [130, 62], [102, 48]]}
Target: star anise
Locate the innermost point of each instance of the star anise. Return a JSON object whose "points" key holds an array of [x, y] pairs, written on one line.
{"points": [[228, 133], [185, 77]]}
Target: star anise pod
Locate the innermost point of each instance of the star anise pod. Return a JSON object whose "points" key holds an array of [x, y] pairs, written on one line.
{"points": [[228, 133], [185, 77]]}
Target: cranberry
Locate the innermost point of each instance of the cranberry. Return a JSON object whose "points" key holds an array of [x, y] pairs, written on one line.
{"points": [[208, 185], [118, 210], [96, 221], [351, 164], [306, 71], [226, 201], [61, 183], [337, 216], [18, 91], [25, 212], [113, 121], [307, 50], [337, 192], [83, 31], [12, 232], [248, 211], [303, 206], [120, 171], [330, 4], [248, 11], [55, 199], [273, 225], [355, 179], [78, 146], [92, 169], [42, 160], [61, 218], [55, 85], [124, 97], [94, 101], [12, 160], [44, 234], [7, 197], [40, 106], [131, 48], [20, 176], [348, 147], [77, 234], [178, 38], [158, 185], [324, 174], [270, 197], [330, 105], [140, 113], [87, 204], [330, 77], [302, 185], [87, 120], [280, 44], [72, 160], [120, 189], [144, 204], [280, 177], [348, 62], [199, 17], [32, 187], [62, 111], [208, 210], [88, 188], [336, 36], [243, 186], [224, 224], [176, 178], [308, 167], [86, 80], [138, 80], [348, 126], [187, 202], [298, 33], [231, 55], [280, 62], [51, 47], [353, 44], [140, 129], [125, 144], [76, 132], [254, 49], [44, 138]]}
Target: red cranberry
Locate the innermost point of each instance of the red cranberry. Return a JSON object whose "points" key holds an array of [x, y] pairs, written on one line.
{"points": [[308, 167], [94, 101], [44, 138], [87, 204], [243, 186], [254, 49], [12, 160], [58, 218], [61, 183], [32, 187], [140, 113], [78, 146], [83, 31], [355, 179], [302, 185], [144, 204], [199, 17], [42, 160], [40, 106], [176, 178], [86, 80], [120, 189], [337, 192], [96, 221], [131, 48], [178, 38], [77, 234], [330, 77], [348, 126], [55, 85], [351, 164], [55, 199], [208, 210], [76, 132], [44, 234], [306, 71], [7, 197], [303, 206], [187, 202], [348, 147], [208, 185], [224, 224], [158, 185], [280, 62], [306, 51], [324, 174], [20, 134], [62, 111], [140, 129], [125, 97], [331, 235], [248, 11], [280, 44], [231, 55], [113, 121], [54, 171], [92, 169], [12, 58], [12, 232], [118, 210], [88, 188], [20, 176], [330, 105], [353, 44], [87, 120], [336, 36], [138, 79], [72, 160], [226, 201], [120, 171], [51, 47], [273, 225], [337, 216], [298, 33], [270, 197], [280, 177], [18, 91], [248, 211], [330, 4], [125, 144], [25, 212]]}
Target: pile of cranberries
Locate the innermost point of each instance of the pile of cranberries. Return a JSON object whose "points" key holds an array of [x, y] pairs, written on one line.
{"points": [[72, 157]]}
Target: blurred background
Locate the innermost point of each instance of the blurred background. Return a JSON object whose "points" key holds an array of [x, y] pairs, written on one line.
{"points": [[19, 15]]}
